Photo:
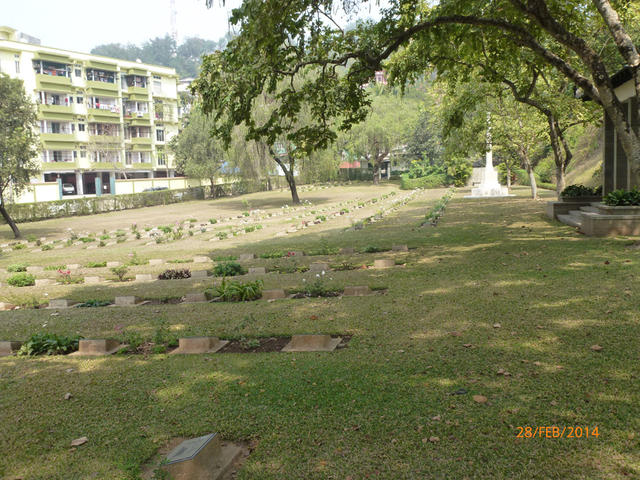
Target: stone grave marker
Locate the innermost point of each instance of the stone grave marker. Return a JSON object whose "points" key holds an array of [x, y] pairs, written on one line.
{"points": [[347, 251], [199, 274], [384, 263], [92, 280], [189, 345], [73, 266], [144, 277], [113, 264], [98, 347], [128, 301], [359, 291], [400, 248], [312, 343], [273, 294], [60, 303], [246, 256], [319, 267], [202, 458], [9, 347], [43, 282], [201, 259], [156, 261], [257, 271], [35, 269], [195, 298], [295, 253]]}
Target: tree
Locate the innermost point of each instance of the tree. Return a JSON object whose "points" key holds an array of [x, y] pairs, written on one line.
{"points": [[279, 40], [19, 144], [198, 154]]}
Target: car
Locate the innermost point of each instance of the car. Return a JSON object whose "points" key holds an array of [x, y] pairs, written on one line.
{"points": [[68, 189]]}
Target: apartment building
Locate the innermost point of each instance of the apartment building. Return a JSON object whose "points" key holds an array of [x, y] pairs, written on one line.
{"points": [[101, 119]]}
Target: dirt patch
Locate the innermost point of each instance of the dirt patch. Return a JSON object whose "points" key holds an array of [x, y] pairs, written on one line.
{"points": [[255, 345]]}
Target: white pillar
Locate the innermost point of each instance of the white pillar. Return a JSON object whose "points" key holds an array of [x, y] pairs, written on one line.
{"points": [[79, 185]]}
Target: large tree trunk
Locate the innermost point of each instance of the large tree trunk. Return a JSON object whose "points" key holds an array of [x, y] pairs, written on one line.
{"points": [[508, 176], [532, 177], [10, 222], [288, 175], [376, 173], [212, 192]]}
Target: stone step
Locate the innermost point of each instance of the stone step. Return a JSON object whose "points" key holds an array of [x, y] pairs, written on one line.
{"points": [[570, 220], [589, 209], [575, 213]]}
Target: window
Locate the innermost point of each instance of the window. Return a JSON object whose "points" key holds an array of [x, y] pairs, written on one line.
{"points": [[78, 72], [159, 134], [17, 62], [161, 159], [83, 153], [79, 100], [81, 127], [57, 156], [75, 154]]}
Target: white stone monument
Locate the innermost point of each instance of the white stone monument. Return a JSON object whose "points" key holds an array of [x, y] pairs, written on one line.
{"points": [[489, 187]]}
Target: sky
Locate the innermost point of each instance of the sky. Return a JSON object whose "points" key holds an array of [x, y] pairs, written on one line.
{"points": [[80, 25]]}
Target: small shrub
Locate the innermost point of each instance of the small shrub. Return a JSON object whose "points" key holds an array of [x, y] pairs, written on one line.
{"points": [[222, 235], [230, 291], [344, 266], [213, 221], [193, 220], [224, 258], [181, 260], [175, 274], [165, 229], [96, 264], [17, 267], [623, 198], [121, 272], [135, 260], [47, 247], [49, 344], [229, 269], [373, 249], [65, 278], [249, 229], [104, 237], [93, 304], [18, 246], [246, 214], [577, 191], [21, 279], [87, 239], [249, 343], [55, 267], [31, 238], [138, 236], [273, 254]]}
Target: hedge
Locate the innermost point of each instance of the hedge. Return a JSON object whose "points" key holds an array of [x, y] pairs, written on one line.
{"points": [[431, 181]]}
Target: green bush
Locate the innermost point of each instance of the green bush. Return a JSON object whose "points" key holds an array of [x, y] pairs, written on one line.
{"points": [[17, 267], [273, 254], [230, 291], [93, 304], [213, 221], [49, 344], [546, 170], [96, 264], [432, 181], [175, 274], [21, 279], [121, 272], [229, 269], [623, 198], [577, 191]]}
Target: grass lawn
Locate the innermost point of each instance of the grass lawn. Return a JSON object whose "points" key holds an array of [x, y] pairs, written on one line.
{"points": [[496, 301]]}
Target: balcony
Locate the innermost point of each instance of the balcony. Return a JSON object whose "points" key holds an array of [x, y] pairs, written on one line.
{"points": [[139, 140], [105, 140], [106, 114], [58, 141], [104, 89], [55, 112], [55, 83], [106, 166], [58, 166], [138, 91]]}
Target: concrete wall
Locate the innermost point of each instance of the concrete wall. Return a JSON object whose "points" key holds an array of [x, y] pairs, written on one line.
{"points": [[40, 192]]}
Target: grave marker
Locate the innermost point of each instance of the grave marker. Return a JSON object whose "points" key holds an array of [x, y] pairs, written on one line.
{"points": [[312, 343], [201, 259], [43, 282], [357, 291], [128, 301], [246, 256], [156, 261], [8, 348], [60, 303], [384, 263], [319, 267], [98, 347], [257, 271], [92, 280], [199, 274], [400, 248], [113, 264], [73, 266], [189, 345], [34, 269], [144, 277], [195, 298], [202, 458], [273, 294], [347, 251]]}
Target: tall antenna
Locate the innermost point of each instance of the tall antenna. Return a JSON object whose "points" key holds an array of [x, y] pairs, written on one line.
{"points": [[174, 24]]}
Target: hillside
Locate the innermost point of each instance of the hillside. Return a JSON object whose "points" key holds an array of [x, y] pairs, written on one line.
{"points": [[587, 158]]}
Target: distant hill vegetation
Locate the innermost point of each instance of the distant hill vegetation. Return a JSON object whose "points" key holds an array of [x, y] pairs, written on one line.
{"points": [[185, 58], [586, 166]]}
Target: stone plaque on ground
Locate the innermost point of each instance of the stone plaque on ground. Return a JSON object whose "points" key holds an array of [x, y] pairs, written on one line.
{"points": [[257, 270], [34, 269], [8, 348], [295, 253], [246, 256], [357, 291], [126, 301], [312, 343], [73, 266], [201, 259], [199, 345], [195, 298], [384, 263], [113, 264], [273, 294], [98, 347], [156, 261], [60, 303], [400, 248], [319, 267], [43, 282], [199, 274], [202, 458], [347, 251], [92, 279], [144, 277]]}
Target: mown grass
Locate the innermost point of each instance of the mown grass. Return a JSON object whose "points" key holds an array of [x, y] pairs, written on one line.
{"points": [[369, 410]]}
